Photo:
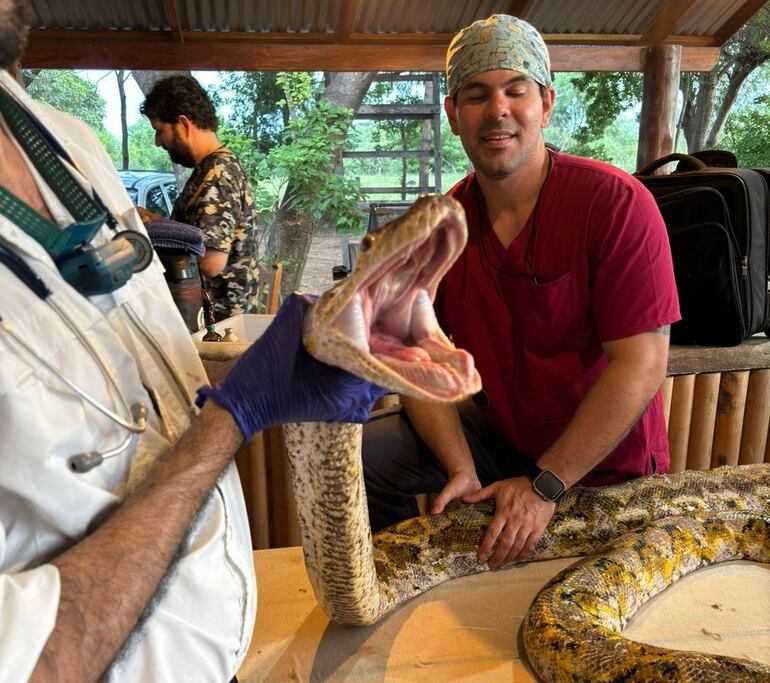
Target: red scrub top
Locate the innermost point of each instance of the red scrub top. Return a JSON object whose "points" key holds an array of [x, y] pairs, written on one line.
{"points": [[592, 264]]}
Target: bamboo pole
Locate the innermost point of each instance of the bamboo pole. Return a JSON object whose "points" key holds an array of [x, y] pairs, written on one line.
{"points": [[729, 418], [283, 507], [756, 419], [704, 409], [679, 425], [668, 388], [260, 514]]}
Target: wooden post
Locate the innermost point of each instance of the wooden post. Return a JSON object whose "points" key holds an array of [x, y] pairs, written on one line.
{"points": [[729, 420], [704, 409], [756, 419], [659, 97], [679, 421]]}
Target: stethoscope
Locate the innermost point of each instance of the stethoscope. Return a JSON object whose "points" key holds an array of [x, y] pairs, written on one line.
{"points": [[135, 424]]}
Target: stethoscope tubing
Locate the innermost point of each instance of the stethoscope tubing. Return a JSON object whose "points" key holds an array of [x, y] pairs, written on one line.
{"points": [[82, 462], [135, 427]]}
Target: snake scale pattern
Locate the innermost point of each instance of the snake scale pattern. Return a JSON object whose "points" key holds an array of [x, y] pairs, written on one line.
{"points": [[639, 537]]}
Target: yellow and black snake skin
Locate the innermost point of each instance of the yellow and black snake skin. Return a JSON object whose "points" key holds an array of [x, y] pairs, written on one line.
{"points": [[640, 536]]}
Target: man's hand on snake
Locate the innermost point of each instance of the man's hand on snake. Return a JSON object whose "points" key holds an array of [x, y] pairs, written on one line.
{"points": [[459, 485], [520, 519]]}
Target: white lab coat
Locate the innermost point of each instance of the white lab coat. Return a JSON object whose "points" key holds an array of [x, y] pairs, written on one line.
{"points": [[200, 629]]}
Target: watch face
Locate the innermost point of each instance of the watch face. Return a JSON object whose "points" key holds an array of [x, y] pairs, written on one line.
{"points": [[548, 485]]}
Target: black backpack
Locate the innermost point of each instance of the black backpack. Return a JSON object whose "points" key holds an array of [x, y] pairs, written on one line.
{"points": [[718, 220]]}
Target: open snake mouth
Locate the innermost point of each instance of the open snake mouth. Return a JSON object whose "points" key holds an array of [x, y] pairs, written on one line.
{"points": [[385, 308]]}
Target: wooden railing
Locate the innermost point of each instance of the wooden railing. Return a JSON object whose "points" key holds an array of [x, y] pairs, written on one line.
{"points": [[717, 405]]}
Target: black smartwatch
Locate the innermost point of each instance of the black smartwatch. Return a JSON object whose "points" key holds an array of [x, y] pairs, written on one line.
{"points": [[544, 482]]}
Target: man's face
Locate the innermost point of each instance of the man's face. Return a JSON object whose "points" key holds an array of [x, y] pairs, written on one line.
{"points": [[13, 30], [172, 137], [499, 115]]}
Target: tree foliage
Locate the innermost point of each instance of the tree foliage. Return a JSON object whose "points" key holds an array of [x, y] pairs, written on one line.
{"points": [[747, 134], [305, 157], [605, 96], [142, 151], [252, 101], [66, 91]]}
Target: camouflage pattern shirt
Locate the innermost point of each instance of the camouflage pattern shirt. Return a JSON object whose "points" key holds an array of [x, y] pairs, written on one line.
{"points": [[217, 198]]}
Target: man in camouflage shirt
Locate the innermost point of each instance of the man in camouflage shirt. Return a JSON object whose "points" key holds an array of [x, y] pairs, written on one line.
{"points": [[217, 197]]}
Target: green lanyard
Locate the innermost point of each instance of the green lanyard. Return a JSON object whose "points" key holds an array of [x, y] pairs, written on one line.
{"points": [[89, 216]]}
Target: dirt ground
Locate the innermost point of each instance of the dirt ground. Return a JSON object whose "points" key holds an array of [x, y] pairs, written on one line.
{"points": [[325, 253]]}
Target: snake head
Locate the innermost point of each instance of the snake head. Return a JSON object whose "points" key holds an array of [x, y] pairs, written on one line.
{"points": [[379, 323]]}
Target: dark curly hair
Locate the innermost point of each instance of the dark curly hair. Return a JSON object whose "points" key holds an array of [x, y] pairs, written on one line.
{"points": [[175, 96]]}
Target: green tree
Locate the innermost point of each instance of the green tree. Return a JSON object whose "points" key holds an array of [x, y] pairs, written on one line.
{"points": [[66, 91], [606, 96], [746, 134], [142, 151], [255, 106], [307, 159]]}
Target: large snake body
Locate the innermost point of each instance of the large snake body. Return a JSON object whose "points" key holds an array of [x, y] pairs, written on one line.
{"points": [[641, 535]]}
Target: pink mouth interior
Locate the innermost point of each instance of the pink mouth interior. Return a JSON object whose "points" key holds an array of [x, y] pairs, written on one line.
{"points": [[392, 316]]}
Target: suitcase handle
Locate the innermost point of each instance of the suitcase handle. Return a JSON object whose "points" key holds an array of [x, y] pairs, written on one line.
{"points": [[695, 164]]}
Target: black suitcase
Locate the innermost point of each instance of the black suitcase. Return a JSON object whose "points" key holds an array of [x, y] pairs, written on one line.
{"points": [[718, 220]]}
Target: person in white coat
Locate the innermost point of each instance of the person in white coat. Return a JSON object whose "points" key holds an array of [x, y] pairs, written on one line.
{"points": [[140, 568]]}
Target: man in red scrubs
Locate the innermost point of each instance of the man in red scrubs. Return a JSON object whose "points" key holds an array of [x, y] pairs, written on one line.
{"points": [[564, 295]]}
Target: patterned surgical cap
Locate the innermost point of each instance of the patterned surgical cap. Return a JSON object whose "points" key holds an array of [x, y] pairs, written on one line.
{"points": [[500, 42]]}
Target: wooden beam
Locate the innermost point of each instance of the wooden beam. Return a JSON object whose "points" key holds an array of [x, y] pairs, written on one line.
{"points": [[666, 22], [157, 52], [657, 120], [747, 10], [345, 22], [520, 8], [416, 39], [172, 16]]}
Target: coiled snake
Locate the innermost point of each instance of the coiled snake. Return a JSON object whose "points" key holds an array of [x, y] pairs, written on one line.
{"points": [[641, 536]]}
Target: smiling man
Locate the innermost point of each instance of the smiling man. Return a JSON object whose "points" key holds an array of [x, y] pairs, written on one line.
{"points": [[564, 296]]}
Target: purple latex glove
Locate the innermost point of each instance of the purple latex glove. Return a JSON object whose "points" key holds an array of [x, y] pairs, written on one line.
{"points": [[277, 381]]}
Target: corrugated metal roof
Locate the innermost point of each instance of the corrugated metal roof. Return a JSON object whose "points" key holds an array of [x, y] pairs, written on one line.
{"points": [[426, 16], [553, 17], [345, 34], [587, 16]]}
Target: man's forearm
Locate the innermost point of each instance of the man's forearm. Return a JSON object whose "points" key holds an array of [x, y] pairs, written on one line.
{"points": [[608, 411], [108, 578], [439, 426]]}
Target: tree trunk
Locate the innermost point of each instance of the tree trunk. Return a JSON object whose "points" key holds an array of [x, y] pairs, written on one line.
{"points": [[296, 228], [734, 83], [120, 74], [145, 80], [698, 114]]}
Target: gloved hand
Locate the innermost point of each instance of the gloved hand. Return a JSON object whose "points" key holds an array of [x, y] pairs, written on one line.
{"points": [[277, 381]]}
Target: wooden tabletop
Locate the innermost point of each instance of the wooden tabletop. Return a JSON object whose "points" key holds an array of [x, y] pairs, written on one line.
{"points": [[469, 629]]}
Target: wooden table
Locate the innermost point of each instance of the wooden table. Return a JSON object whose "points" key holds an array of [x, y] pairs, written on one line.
{"points": [[469, 629]]}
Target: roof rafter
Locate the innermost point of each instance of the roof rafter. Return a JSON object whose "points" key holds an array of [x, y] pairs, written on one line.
{"points": [[731, 26], [347, 14], [171, 8], [666, 22]]}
